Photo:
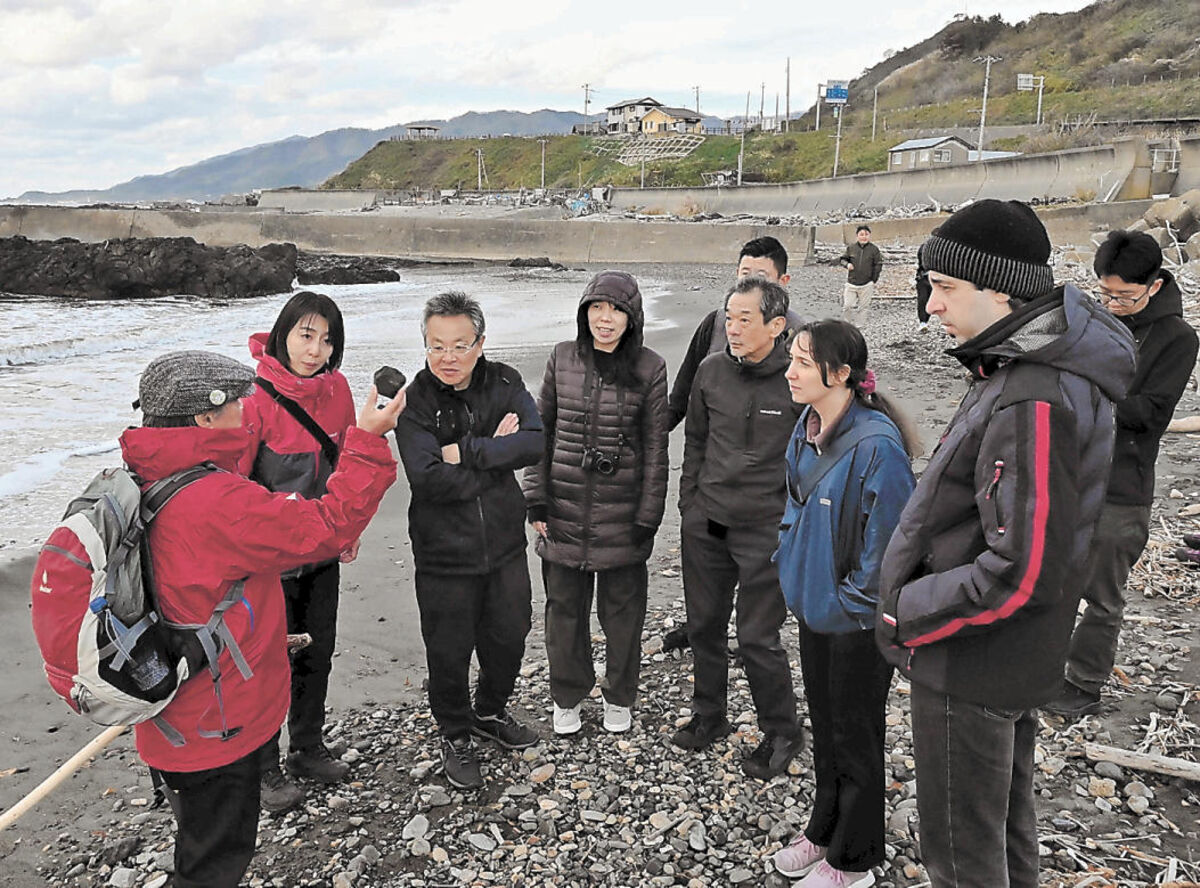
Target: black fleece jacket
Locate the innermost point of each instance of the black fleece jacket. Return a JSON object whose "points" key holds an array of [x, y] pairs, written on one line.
{"points": [[1166, 354]]}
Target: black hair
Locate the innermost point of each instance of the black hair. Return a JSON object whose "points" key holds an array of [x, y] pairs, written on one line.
{"points": [[299, 307], [769, 247], [621, 368], [1133, 256], [866, 228], [835, 343], [772, 298], [168, 422]]}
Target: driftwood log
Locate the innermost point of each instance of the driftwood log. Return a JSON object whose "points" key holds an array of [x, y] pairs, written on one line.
{"points": [[1143, 761]]}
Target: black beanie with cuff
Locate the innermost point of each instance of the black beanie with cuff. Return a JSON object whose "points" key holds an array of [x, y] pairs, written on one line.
{"points": [[995, 245]]}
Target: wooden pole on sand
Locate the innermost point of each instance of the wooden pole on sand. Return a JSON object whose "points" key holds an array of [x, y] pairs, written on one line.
{"points": [[69, 767]]}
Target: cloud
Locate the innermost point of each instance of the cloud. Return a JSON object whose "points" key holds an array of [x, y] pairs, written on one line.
{"points": [[98, 91]]}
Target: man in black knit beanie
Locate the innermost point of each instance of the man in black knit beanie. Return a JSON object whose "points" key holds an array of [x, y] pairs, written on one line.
{"points": [[977, 591]]}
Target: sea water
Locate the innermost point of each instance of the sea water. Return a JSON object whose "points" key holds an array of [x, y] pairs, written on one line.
{"points": [[69, 368]]}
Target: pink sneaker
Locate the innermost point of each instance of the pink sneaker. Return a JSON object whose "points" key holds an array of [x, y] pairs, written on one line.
{"points": [[798, 857], [825, 876]]}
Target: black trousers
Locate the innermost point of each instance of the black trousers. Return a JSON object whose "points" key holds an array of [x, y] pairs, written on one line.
{"points": [[217, 814], [488, 614], [312, 606], [713, 570], [620, 605], [846, 683]]}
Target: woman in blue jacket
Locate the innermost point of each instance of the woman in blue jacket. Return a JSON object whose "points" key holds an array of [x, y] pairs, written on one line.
{"points": [[849, 475]]}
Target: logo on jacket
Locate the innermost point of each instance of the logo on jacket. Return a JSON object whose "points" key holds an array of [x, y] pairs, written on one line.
{"points": [[771, 412]]}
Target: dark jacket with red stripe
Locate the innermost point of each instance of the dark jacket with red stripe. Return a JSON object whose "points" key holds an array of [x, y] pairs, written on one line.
{"points": [[978, 587]]}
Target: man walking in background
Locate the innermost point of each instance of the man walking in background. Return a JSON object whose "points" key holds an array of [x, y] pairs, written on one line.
{"points": [[977, 592], [864, 264], [731, 498], [1146, 299]]}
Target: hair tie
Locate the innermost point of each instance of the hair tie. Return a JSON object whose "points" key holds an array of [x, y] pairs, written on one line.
{"points": [[867, 386]]}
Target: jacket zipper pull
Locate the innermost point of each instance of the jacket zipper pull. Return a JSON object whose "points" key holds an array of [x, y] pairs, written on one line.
{"points": [[991, 488]]}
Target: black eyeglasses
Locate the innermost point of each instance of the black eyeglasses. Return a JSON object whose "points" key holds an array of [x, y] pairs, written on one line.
{"points": [[1104, 297]]}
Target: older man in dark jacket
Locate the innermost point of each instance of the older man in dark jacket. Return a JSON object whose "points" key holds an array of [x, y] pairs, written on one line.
{"points": [[1147, 300], [469, 425], [731, 497], [977, 601]]}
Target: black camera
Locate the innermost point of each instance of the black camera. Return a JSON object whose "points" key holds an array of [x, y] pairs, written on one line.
{"points": [[600, 462]]}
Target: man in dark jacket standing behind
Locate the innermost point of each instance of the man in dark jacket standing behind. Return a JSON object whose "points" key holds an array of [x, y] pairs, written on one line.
{"points": [[864, 264], [1147, 300], [469, 425], [731, 496], [976, 593]]}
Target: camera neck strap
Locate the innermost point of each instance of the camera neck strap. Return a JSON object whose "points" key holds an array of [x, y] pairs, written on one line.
{"points": [[590, 439]]}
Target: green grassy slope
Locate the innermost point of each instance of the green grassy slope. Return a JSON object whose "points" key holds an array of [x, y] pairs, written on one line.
{"points": [[1117, 59]]}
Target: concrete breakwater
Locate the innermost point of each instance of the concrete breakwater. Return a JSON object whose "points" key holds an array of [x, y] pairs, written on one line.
{"points": [[370, 234]]}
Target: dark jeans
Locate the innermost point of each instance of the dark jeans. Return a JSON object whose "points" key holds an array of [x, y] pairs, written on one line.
{"points": [[1121, 535], [312, 606], [488, 614], [713, 568], [975, 792], [621, 607], [846, 682], [217, 814]]}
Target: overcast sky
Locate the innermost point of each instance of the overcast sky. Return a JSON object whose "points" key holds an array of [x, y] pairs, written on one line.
{"points": [[95, 92]]}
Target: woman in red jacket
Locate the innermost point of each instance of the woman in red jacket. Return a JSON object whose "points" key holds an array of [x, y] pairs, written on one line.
{"points": [[297, 419]]}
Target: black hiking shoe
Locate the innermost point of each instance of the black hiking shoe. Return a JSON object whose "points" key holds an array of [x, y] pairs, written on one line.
{"points": [[317, 763], [459, 762], [676, 640], [773, 755], [278, 794], [502, 728], [1074, 702], [702, 731]]}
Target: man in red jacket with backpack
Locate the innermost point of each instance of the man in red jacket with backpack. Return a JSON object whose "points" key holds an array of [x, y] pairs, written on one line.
{"points": [[218, 530]]}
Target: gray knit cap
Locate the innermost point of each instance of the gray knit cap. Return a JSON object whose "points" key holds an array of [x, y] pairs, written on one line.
{"points": [[996, 245], [188, 383]]}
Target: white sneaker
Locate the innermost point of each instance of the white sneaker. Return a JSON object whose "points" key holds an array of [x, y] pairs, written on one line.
{"points": [[566, 721], [617, 719]]}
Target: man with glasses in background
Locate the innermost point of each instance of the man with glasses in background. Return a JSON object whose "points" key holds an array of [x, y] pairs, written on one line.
{"points": [[1134, 287], [469, 425]]}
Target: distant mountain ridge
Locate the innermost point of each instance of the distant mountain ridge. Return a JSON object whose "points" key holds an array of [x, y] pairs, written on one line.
{"points": [[298, 160]]}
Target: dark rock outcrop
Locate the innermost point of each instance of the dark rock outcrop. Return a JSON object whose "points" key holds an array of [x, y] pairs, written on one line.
{"points": [[319, 269], [140, 268]]}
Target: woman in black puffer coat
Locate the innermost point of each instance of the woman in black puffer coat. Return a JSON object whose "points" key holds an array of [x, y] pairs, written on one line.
{"points": [[597, 497]]}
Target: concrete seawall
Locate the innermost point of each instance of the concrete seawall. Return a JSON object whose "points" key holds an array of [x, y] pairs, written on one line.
{"points": [[431, 237], [1107, 172]]}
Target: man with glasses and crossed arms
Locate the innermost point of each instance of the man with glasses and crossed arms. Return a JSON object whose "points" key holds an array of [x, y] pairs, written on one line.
{"points": [[469, 425], [1136, 289]]}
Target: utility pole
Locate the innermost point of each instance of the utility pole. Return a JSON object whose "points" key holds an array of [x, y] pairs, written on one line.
{"points": [[987, 76], [837, 144], [587, 97], [696, 90], [787, 122], [542, 142], [742, 147], [762, 99], [874, 112], [479, 169], [820, 86]]}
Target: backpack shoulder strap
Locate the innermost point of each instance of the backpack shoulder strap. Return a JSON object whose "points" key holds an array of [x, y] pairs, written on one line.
{"points": [[302, 416], [160, 492]]}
